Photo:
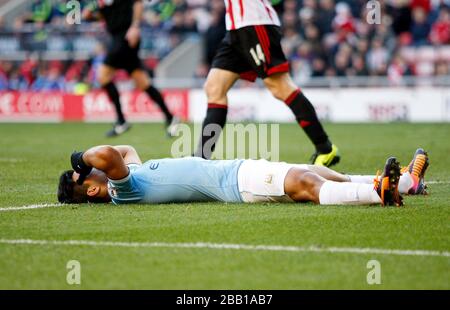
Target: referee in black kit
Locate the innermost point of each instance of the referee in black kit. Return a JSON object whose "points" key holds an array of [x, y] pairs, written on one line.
{"points": [[123, 18]]}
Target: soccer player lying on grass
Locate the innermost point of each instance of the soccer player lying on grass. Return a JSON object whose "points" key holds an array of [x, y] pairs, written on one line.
{"points": [[116, 173]]}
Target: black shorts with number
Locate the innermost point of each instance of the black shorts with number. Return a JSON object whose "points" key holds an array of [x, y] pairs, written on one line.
{"points": [[121, 56], [253, 51]]}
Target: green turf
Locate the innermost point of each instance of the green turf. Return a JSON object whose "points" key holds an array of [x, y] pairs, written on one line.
{"points": [[33, 155]]}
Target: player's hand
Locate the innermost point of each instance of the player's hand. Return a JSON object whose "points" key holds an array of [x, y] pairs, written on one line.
{"points": [[80, 166], [86, 14], [133, 36]]}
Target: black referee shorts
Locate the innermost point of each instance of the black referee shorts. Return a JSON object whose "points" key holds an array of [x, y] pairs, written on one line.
{"points": [[121, 56], [253, 51]]}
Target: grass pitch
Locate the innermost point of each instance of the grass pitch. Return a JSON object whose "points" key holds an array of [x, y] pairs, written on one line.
{"points": [[33, 155]]}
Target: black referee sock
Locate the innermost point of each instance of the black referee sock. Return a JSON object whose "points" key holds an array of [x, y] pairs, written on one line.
{"points": [[114, 96], [159, 100], [307, 119], [215, 120]]}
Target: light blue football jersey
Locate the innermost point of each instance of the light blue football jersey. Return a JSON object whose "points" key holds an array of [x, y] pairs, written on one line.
{"points": [[188, 179]]}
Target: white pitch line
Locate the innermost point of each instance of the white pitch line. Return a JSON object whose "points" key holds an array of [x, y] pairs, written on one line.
{"points": [[225, 246], [437, 182], [31, 207]]}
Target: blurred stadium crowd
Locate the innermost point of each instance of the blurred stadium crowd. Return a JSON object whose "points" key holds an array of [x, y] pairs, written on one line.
{"points": [[322, 38]]}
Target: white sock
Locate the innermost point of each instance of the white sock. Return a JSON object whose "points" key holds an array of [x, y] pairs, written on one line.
{"points": [[365, 179], [346, 193], [404, 183]]}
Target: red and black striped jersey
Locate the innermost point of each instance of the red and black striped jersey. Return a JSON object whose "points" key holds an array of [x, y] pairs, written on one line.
{"points": [[243, 13]]}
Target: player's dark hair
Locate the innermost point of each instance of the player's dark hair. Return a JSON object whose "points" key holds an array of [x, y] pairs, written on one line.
{"points": [[69, 191]]}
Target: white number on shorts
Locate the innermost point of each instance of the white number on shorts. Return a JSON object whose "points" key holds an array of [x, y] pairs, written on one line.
{"points": [[258, 55]]}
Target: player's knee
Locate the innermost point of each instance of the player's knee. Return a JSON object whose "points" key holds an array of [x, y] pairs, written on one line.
{"points": [[280, 86], [307, 185], [311, 183], [142, 84], [214, 91], [141, 80], [278, 90], [277, 93], [103, 78]]}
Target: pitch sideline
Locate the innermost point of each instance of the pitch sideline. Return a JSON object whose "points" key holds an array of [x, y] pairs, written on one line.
{"points": [[225, 246]]}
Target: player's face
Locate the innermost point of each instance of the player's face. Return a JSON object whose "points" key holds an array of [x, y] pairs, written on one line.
{"points": [[97, 185]]}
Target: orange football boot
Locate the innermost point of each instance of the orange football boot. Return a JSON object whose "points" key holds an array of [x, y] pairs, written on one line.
{"points": [[387, 185], [417, 168]]}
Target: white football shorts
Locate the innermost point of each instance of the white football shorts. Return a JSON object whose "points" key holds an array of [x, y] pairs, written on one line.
{"points": [[263, 181]]}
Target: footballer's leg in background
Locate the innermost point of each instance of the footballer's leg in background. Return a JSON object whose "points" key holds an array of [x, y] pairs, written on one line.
{"points": [[272, 66], [105, 78], [283, 88], [217, 85], [144, 83]]}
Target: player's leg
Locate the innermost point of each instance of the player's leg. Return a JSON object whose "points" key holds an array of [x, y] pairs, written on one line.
{"points": [[283, 88], [325, 172], [105, 79], [227, 67], [144, 83], [415, 171], [405, 185], [263, 181], [306, 185], [217, 85], [412, 179], [261, 47]]}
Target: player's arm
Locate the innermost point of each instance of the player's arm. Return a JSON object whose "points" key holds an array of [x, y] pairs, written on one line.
{"points": [[129, 154], [106, 158], [138, 11], [134, 32], [91, 12]]}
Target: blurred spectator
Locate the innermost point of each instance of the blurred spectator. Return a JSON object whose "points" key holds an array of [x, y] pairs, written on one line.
{"points": [[400, 12], [420, 27], [320, 38], [341, 64], [291, 39], [398, 69], [325, 16], [442, 68], [359, 66], [377, 58], [343, 22], [3, 77], [49, 78], [41, 11], [215, 32], [318, 67], [440, 31], [425, 5]]}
